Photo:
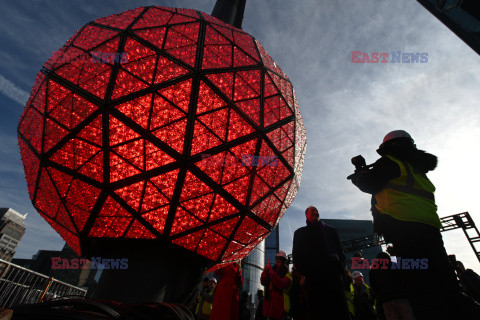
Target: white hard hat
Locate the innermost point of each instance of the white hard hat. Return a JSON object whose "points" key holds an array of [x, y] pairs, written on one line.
{"points": [[357, 274], [213, 280], [395, 134], [281, 254]]}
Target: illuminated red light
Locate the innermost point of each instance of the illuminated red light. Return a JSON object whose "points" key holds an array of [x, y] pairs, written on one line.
{"points": [[113, 148]]}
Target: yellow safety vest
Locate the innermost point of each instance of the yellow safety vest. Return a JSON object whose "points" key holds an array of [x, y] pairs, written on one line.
{"points": [[286, 295], [349, 294], [409, 197], [206, 306]]}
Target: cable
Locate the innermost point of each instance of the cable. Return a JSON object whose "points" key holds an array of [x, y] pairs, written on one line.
{"points": [[88, 309]]}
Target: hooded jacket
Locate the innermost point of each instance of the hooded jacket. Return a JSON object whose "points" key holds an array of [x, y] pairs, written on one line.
{"points": [[385, 170]]}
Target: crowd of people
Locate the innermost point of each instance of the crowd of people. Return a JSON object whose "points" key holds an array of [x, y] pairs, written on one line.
{"points": [[285, 296], [320, 285]]}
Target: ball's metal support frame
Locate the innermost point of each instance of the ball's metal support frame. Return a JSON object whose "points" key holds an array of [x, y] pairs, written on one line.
{"points": [[230, 11]]}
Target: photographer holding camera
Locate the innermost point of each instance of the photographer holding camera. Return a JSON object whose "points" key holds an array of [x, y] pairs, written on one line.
{"points": [[405, 213]]}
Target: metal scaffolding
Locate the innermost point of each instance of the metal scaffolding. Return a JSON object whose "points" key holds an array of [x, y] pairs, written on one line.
{"points": [[465, 222], [460, 220]]}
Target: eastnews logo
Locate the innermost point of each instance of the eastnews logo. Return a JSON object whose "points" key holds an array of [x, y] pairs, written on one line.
{"points": [[383, 57], [97, 263], [109, 57], [246, 160], [404, 264], [96, 57]]}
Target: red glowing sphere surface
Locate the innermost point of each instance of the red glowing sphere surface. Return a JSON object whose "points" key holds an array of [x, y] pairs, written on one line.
{"points": [[163, 123]]}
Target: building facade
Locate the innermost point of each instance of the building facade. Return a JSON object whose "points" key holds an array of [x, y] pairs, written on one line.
{"points": [[254, 263], [12, 229], [272, 245], [252, 267]]}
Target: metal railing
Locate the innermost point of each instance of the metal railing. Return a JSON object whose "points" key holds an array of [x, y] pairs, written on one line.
{"points": [[20, 285]]}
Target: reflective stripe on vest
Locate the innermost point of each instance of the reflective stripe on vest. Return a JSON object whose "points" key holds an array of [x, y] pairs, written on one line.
{"points": [[207, 306], [408, 197], [350, 294], [286, 295], [409, 187]]}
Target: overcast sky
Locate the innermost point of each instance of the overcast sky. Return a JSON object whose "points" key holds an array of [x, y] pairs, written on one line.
{"points": [[347, 107]]}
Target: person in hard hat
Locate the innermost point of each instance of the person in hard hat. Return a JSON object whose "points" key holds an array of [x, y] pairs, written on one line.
{"points": [[363, 301], [205, 303], [349, 291], [405, 213], [198, 299], [225, 301], [277, 281], [318, 255]]}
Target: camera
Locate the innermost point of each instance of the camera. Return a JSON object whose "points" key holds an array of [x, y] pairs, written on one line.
{"points": [[360, 165]]}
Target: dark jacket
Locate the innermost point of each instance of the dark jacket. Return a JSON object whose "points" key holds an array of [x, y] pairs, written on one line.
{"points": [[244, 312], [387, 284], [383, 170], [317, 248], [259, 312], [298, 297], [318, 255]]}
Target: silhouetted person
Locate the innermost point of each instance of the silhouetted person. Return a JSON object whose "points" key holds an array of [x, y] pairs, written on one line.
{"points": [[244, 313], [349, 291], [469, 280], [318, 255], [298, 296], [277, 282], [259, 312], [204, 308], [204, 288], [405, 213], [362, 298]]}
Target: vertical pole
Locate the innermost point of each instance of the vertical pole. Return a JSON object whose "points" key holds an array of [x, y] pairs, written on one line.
{"points": [[230, 11], [3, 269], [50, 280]]}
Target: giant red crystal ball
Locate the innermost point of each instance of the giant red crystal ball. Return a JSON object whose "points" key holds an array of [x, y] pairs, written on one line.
{"points": [[162, 123]]}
